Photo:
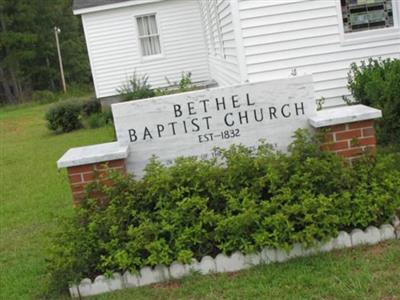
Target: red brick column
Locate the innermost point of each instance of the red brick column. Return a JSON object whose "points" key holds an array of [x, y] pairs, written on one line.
{"points": [[350, 140], [82, 175]]}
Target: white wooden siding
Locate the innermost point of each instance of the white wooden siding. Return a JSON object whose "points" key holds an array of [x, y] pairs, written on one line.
{"points": [[222, 50], [281, 35], [113, 45]]}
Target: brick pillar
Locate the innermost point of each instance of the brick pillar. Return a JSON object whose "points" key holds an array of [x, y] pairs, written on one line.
{"points": [[80, 176], [350, 140]]}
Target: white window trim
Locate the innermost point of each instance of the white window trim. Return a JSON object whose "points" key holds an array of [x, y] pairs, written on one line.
{"points": [[367, 36], [146, 58]]}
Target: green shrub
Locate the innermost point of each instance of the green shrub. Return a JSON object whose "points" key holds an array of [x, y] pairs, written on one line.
{"points": [[64, 116], [95, 121], [245, 201], [136, 88], [185, 84], [377, 84], [92, 106], [108, 116]]}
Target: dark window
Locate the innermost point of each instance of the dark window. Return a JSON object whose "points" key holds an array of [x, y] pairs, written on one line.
{"points": [[360, 15]]}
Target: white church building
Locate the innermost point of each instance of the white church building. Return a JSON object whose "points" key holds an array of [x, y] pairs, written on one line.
{"points": [[236, 41]]}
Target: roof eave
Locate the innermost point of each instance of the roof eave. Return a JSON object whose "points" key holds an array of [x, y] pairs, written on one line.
{"points": [[87, 10]]}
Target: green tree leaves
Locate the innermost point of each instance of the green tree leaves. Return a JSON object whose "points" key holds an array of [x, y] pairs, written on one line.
{"points": [[27, 46]]}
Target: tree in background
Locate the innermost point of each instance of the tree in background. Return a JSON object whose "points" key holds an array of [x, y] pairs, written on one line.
{"points": [[27, 47]]}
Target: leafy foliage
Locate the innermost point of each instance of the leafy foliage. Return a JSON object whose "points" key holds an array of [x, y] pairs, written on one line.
{"points": [[100, 119], [66, 116], [185, 83], [245, 201], [95, 121], [90, 107], [377, 84], [28, 51], [136, 88]]}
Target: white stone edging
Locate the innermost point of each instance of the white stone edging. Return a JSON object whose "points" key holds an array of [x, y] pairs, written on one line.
{"points": [[235, 262], [92, 154], [343, 114]]}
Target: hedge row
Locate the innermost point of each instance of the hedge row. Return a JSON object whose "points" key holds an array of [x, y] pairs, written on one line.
{"points": [[245, 201], [66, 116]]}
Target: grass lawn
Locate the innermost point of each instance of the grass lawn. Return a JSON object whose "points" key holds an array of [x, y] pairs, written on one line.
{"points": [[362, 273], [34, 195]]}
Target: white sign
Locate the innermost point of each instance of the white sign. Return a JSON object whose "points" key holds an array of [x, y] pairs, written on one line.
{"points": [[192, 124]]}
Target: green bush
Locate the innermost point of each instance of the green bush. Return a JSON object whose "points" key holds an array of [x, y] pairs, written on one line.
{"points": [[245, 201], [185, 84], [64, 116], [377, 84], [95, 121], [92, 106], [108, 116], [136, 88]]}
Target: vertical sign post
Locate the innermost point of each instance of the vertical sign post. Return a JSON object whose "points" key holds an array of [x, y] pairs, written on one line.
{"points": [[56, 32]]}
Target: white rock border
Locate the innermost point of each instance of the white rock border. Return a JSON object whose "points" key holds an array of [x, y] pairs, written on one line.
{"points": [[237, 261]]}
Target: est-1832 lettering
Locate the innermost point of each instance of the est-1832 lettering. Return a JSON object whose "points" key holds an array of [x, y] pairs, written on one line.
{"points": [[226, 134]]}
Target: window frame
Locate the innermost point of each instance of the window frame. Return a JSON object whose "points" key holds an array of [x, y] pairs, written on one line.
{"points": [[366, 36], [159, 34]]}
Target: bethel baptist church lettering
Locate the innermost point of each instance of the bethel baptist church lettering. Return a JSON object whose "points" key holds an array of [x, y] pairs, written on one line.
{"points": [[194, 123], [246, 115]]}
